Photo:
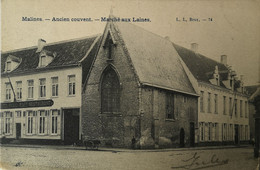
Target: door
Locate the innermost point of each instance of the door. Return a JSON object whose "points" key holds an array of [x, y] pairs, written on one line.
{"points": [[192, 134], [18, 130], [236, 134], [182, 136], [71, 126]]}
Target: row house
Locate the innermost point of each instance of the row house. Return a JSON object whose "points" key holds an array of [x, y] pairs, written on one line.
{"points": [[126, 88], [223, 104], [41, 90]]}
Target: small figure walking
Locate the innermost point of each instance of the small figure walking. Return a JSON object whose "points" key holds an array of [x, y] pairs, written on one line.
{"points": [[133, 142]]}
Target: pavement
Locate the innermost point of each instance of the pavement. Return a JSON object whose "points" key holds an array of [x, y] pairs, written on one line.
{"points": [[72, 147], [44, 157]]}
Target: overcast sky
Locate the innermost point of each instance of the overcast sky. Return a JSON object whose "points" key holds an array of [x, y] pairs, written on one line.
{"points": [[234, 29]]}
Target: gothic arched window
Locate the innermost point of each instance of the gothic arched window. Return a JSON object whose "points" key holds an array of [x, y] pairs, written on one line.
{"points": [[110, 92]]}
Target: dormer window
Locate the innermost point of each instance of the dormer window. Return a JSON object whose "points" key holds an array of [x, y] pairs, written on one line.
{"points": [[45, 58], [215, 78], [42, 61], [8, 66], [12, 63]]}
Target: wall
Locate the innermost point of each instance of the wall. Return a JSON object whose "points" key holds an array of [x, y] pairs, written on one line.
{"points": [[219, 117], [115, 129], [60, 102], [156, 130]]}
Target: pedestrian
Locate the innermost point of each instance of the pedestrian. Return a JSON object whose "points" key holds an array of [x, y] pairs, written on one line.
{"points": [[133, 142]]}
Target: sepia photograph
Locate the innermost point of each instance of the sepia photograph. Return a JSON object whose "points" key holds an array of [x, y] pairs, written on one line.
{"points": [[131, 84]]}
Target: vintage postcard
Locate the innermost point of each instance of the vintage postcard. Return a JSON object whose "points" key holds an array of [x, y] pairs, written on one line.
{"points": [[130, 84]]}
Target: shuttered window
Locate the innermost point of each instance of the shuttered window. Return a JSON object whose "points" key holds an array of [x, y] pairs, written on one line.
{"points": [[30, 122], [169, 106], [42, 122], [8, 123], [54, 121]]}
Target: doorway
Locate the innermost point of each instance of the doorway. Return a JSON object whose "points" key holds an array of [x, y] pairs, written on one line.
{"points": [[236, 134], [192, 134], [71, 126], [182, 136], [18, 130]]}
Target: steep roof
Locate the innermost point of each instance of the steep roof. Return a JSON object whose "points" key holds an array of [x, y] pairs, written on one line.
{"points": [[155, 60], [67, 53], [251, 89], [200, 66]]}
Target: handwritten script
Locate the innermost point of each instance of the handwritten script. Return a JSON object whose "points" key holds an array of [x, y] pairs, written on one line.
{"points": [[196, 162]]}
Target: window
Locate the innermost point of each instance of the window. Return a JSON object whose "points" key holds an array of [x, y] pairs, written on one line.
{"points": [[30, 89], [224, 131], [246, 132], [206, 131], [216, 103], [235, 107], [209, 132], [30, 123], [18, 113], [54, 87], [246, 109], [241, 108], [185, 99], [230, 106], [201, 131], [224, 105], [54, 122], [8, 91], [110, 47], [216, 131], [72, 85], [42, 122], [231, 132], [110, 92], [42, 61], [19, 90], [1, 122], [201, 101], [8, 123], [213, 133], [241, 132], [209, 102], [169, 106], [42, 87], [8, 66]]}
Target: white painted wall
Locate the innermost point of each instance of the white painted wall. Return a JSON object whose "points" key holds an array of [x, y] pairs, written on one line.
{"points": [[219, 117], [62, 101]]}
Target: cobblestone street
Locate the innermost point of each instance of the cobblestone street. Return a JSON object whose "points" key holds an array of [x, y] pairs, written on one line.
{"points": [[78, 158]]}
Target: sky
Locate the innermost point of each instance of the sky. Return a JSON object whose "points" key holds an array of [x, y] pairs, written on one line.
{"points": [[234, 30]]}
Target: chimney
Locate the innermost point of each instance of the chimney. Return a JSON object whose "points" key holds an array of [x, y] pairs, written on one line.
{"points": [[167, 38], [242, 78], [223, 59], [41, 44], [194, 47]]}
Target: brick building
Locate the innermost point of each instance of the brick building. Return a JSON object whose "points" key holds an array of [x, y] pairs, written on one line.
{"points": [[127, 83], [41, 91], [137, 87]]}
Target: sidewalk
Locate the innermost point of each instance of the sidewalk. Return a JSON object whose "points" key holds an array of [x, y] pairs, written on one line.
{"points": [[70, 147]]}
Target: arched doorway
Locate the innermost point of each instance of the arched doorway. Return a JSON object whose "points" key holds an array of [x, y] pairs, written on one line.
{"points": [[182, 137]]}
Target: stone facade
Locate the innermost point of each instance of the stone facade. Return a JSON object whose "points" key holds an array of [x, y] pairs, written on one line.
{"points": [[142, 112]]}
